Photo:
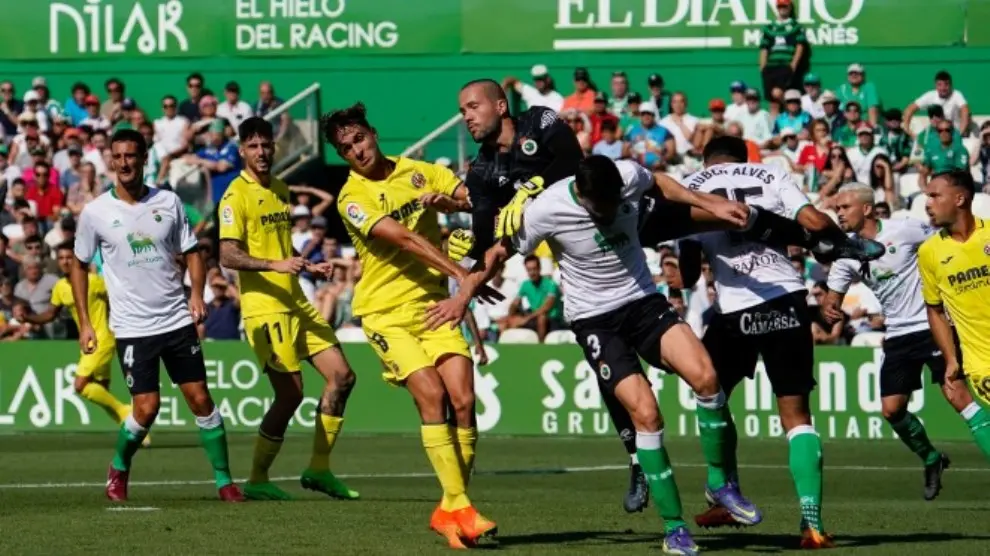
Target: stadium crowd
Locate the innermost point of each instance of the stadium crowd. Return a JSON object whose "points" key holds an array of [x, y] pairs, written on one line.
{"points": [[54, 159]]}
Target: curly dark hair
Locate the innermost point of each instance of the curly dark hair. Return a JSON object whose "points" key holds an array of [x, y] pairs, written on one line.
{"points": [[332, 122]]}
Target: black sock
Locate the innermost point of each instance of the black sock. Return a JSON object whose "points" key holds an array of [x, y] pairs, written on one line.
{"points": [[622, 421], [777, 231]]}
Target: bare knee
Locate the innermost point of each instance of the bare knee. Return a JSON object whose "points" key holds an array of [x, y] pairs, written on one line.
{"points": [[344, 380], [646, 417], [145, 409], [794, 411], [429, 395], [893, 408], [80, 383], [957, 395], [200, 403]]}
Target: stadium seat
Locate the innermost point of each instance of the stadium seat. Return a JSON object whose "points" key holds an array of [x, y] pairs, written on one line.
{"points": [[518, 336], [918, 208], [901, 214], [907, 185], [868, 339], [351, 335], [560, 337], [981, 205]]}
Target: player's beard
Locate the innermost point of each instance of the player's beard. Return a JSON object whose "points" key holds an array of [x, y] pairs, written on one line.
{"points": [[490, 136], [133, 185]]}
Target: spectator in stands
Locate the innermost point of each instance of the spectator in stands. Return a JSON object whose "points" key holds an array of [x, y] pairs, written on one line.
{"points": [[544, 304], [34, 245], [24, 142], [676, 298], [755, 120], [267, 101], [583, 97], [10, 108], [866, 151], [658, 95], [791, 148], [233, 109], [793, 117], [714, 127], [783, 46], [735, 129], [681, 125], [313, 252], [670, 273], [737, 107], [600, 115], [882, 180], [984, 156], [39, 154], [94, 120], [896, 141], [198, 133], [863, 92], [219, 159], [580, 124], [543, 91], [23, 218], [51, 107], [36, 285], [929, 138], [84, 190], [619, 103], [129, 115], [8, 267], [811, 100], [17, 328], [833, 116], [649, 143], [170, 129], [953, 104], [333, 299], [111, 108], [630, 117], [64, 230], [8, 172], [7, 296], [32, 106], [946, 156], [196, 89], [302, 215], [75, 106], [223, 317], [93, 152], [882, 210], [72, 173], [609, 145], [838, 172], [153, 165], [48, 198], [846, 135], [822, 331]]}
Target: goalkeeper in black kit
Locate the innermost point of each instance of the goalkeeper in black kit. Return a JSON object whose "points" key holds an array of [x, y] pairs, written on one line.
{"points": [[519, 156]]}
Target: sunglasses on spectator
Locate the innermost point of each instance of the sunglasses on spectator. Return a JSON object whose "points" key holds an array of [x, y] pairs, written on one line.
{"points": [[168, 105], [194, 85], [7, 90]]}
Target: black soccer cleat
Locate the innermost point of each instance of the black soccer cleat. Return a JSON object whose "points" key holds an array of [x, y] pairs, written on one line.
{"points": [[639, 490], [933, 476], [856, 248]]}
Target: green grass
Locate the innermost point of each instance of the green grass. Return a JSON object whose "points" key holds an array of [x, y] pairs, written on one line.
{"points": [[544, 493]]}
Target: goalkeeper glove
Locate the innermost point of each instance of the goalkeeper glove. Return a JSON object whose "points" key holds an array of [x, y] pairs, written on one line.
{"points": [[459, 244], [510, 218]]}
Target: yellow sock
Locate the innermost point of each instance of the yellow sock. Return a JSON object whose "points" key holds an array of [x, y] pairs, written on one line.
{"points": [[324, 437], [96, 393], [265, 450], [439, 445], [466, 441]]}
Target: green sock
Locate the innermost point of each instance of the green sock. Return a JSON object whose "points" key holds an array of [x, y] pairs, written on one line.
{"points": [[912, 434], [214, 438], [978, 420], [713, 424], [129, 438], [806, 469], [656, 466]]}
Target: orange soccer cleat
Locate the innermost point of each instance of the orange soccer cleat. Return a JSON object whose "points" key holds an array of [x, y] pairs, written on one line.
{"points": [[812, 539], [474, 526], [443, 523]]}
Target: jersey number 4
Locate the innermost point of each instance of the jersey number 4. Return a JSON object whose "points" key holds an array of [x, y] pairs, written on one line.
{"points": [[128, 359]]}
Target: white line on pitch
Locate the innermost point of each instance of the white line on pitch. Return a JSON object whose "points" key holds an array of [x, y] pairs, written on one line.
{"points": [[132, 509], [532, 471]]}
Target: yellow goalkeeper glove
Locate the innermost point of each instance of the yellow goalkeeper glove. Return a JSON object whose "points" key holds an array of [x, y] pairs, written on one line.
{"points": [[459, 244], [510, 218]]}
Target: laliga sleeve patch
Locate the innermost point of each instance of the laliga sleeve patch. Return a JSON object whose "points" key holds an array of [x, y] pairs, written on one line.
{"points": [[355, 214], [227, 215]]}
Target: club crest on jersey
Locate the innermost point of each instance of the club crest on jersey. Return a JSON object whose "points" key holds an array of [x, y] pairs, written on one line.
{"points": [[157, 217], [355, 214], [528, 146], [227, 215], [986, 249], [891, 249], [418, 180], [605, 371]]}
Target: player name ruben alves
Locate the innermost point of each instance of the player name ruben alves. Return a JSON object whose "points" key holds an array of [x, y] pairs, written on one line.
{"points": [[756, 324], [758, 172]]}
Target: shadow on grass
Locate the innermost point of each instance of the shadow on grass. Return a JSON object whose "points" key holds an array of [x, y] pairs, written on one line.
{"points": [[589, 537], [776, 542]]}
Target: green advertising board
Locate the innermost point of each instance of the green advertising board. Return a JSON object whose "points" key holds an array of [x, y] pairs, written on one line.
{"points": [[67, 29], [525, 390]]}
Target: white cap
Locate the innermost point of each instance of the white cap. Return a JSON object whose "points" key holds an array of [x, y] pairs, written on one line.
{"points": [[300, 210], [539, 70], [651, 107], [792, 94], [828, 96], [855, 68], [788, 132], [39, 82], [31, 95]]}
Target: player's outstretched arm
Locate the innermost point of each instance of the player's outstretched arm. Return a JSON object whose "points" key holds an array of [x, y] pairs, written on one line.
{"points": [[453, 310], [44, 317], [938, 321], [391, 231], [719, 209], [79, 279], [234, 256]]}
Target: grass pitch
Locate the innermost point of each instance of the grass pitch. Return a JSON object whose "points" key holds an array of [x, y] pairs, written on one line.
{"points": [[547, 495]]}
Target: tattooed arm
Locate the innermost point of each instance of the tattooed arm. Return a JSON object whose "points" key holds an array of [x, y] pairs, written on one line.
{"points": [[234, 256]]}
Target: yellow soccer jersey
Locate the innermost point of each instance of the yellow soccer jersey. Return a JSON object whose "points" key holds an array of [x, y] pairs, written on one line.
{"points": [[957, 276], [99, 314], [261, 219], [389, 276]]}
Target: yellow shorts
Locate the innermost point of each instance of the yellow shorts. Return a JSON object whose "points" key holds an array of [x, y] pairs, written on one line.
{"points": [[405, 345], [96, 365], [980, 382], [281, 341]]}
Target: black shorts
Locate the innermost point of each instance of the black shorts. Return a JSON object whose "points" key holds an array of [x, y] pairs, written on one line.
{"points": [[661, 220], [779, 331], [615, 341], [903, 360], [778, 77], [141, 358]]}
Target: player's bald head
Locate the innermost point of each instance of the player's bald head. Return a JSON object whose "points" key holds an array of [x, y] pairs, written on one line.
{"points": [[487, 87]]}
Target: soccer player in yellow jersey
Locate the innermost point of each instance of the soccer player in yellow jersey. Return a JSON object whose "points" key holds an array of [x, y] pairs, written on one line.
{"points": [[955, 281], [389, 207], [93, 371], [281, 325]]}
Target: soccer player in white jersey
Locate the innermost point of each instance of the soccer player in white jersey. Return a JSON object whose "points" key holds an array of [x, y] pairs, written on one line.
{"points": [[908, 345], [590, 222], [761, 310], [140, 231]]}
